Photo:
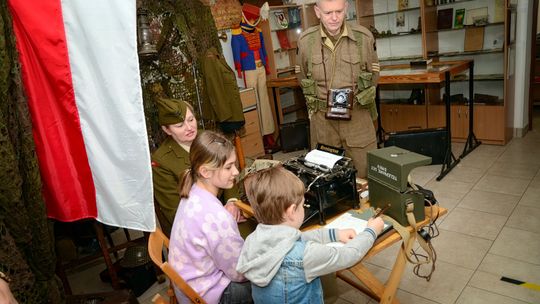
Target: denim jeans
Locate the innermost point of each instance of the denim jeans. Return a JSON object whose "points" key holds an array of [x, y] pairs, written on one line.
{"points": [[237, 293]]}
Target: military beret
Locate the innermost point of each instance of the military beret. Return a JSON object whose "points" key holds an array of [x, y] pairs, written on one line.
{"points": [[172, 111]]}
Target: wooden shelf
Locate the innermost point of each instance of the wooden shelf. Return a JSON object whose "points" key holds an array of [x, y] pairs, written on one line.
{"points": [[395, 58], [481, 104], [285, 50], [400, 102], [287, 28], [450, 54], [452, 3], [390, 12], [293, 108], [479, 77], [275, 7], [399, 34], [465, 27], [285, 70]]}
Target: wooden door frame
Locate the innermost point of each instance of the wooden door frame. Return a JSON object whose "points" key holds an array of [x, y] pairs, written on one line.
{"points": [[533, 62]]}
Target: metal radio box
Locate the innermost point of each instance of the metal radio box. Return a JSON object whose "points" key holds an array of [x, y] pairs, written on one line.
{"points": [[388, 172], [392, 165]]}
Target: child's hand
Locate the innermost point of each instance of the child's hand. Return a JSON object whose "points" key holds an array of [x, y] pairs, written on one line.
{"points": [[235, 211], [377, 224], [345, 235]]}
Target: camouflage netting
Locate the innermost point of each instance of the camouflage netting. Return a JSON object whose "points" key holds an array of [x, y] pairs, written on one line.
{"points": [[183, 31], [26, 243]]}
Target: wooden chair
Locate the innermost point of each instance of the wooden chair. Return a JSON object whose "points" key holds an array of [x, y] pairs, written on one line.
{"points": [[156, 241]]}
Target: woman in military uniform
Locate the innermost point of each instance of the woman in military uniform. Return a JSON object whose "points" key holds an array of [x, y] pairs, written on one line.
{"points": [[172, 158]]}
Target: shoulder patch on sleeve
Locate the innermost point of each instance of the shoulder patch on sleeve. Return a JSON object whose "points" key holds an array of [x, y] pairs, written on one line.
{"points": [[236, 31]]}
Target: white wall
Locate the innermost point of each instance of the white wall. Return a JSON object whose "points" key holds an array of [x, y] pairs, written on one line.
{"points": [[523, 66]]}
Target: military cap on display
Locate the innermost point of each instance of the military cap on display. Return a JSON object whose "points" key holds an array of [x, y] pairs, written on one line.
{"points": [[253, 14], [258, 165], [172, 111]]}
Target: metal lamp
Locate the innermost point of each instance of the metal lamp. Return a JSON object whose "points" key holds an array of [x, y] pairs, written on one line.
{"points": [[144, 35]]}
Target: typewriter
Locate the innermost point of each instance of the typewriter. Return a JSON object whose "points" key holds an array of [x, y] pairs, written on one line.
{"points": [[330, 189]]}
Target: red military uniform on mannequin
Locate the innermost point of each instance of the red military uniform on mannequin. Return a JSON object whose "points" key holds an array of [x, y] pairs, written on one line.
{"points": [[251, 63]]}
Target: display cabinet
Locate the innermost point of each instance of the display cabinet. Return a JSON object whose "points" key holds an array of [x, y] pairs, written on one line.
{"points": [[478, 30], [250, 134], [399, 117], [281, 32]]}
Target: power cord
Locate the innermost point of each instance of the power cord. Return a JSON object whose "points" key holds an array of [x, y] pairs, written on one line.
{"points": [[428, 232]]}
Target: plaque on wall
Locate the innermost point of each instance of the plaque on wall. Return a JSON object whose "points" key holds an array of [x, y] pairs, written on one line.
{"points": [[474, 38]]}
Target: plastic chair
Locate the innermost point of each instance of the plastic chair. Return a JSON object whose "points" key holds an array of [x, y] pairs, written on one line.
{"points": [[156, 241]]}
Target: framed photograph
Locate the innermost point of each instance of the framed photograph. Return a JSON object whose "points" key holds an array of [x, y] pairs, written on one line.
{"points": [[400, 19], [403, 4], [477, 16], [459, 18]]}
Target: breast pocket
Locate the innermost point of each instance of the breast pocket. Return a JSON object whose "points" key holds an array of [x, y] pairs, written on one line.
{"points": [[350, 67], [318, 67]]}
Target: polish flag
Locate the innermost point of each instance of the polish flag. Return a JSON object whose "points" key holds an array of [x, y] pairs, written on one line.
{"points": [[81, 75]]}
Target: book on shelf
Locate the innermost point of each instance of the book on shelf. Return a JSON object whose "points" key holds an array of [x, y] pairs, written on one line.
{"points": [[420, 64], [460, 18], [444, 18]]}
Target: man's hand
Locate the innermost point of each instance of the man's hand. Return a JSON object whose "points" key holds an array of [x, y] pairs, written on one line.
{"points": [[345, 235], [235, 211]]}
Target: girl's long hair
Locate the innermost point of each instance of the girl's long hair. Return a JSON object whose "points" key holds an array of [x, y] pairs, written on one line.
{"points": [[211, 149]]}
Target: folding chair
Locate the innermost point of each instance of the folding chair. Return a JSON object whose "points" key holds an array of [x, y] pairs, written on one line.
{"points": [[156, 241]]}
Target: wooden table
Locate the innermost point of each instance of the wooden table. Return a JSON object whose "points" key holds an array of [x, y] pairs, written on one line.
{"points": [[383, 292], [435, 73]]}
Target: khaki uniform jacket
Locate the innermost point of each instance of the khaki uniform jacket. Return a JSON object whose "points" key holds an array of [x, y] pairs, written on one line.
{"points": [[168, 163], [223, 104], [342, 64]]}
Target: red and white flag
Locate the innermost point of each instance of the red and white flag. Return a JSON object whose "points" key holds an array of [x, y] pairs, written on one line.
{"points": [[81, 75]]}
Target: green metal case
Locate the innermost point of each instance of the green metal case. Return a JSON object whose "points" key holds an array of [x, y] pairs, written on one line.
{"points": [[388, 171]]}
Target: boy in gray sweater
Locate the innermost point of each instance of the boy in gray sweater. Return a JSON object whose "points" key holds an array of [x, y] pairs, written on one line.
{"points": [[283, 263]]}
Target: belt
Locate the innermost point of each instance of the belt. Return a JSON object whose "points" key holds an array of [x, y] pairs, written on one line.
{"points": [[258, 63]]}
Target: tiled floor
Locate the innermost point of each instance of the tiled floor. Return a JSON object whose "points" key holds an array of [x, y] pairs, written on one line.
{"points": [[492, 230]]}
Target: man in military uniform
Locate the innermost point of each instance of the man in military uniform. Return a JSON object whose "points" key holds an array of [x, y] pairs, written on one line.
{"points": [[338, 62], [172, 158]]}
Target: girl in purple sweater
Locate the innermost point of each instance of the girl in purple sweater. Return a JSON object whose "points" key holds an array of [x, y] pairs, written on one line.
{"points": [[205, 243]]}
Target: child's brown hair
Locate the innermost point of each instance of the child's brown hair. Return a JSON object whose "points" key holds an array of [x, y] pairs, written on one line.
{"points": [[210, 149], [271, 191]]}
